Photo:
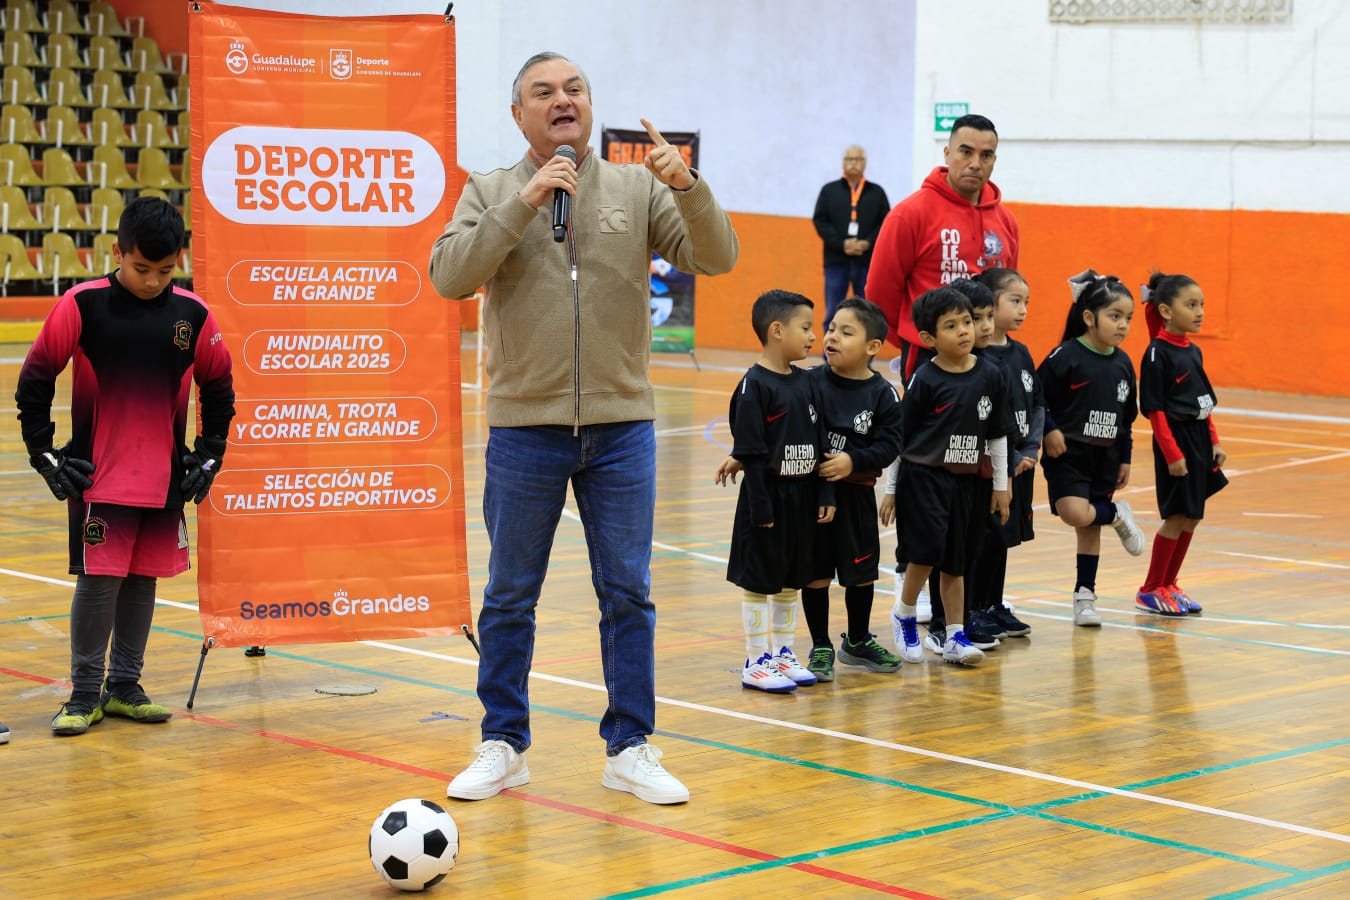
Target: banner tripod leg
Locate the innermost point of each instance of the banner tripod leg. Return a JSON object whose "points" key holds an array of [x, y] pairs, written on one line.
{"points": [[207, 644], [468, 634], [697, 367]]}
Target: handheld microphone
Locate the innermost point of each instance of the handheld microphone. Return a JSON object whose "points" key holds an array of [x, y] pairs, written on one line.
{"points": [[562, 201]]}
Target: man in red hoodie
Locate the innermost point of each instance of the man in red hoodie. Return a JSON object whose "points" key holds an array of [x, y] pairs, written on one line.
{"points": [[954, 226]]}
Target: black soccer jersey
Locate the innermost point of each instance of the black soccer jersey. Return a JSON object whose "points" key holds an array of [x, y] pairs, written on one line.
{"points": [[775, 432], [1025, 397], [948, 416], [1090, 396], [861, 418], [133, 361], [1172, 380]]}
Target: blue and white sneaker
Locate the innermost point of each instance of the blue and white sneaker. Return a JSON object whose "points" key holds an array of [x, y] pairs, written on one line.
{"points": [[787, 664], [907, 643], [959, 650], [763, 675]]}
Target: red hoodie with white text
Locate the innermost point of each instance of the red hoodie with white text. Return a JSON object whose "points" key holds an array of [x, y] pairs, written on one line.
{"points": [[931, 238]]}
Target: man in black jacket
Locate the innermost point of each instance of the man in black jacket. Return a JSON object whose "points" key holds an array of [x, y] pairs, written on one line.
{"points": [[849, 212]]}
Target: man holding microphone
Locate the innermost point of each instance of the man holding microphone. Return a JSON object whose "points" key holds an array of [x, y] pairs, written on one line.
{"points": [[571, 402]]}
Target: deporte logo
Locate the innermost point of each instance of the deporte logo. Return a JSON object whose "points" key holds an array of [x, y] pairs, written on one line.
{"points": [[258, 175]]}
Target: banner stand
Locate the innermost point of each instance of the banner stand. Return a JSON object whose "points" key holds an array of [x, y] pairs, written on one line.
{"points": [[257, 651], [341, 515]]}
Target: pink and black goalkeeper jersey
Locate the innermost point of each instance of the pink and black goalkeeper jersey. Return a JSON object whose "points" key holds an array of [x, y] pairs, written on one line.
{"points": [[132, 364]]}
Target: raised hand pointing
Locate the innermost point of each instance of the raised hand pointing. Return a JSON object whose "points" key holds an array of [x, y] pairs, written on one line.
{"points": [[665, 162]]}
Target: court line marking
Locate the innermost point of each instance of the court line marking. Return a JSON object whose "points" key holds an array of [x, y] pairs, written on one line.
{"points": [[1285, 559], [1004, 810], [905, 748], [843, 736], [799, 861], [1291, 881]]}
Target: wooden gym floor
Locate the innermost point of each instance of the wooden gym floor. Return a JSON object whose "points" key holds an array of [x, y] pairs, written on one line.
{"points": [[1206, 757]]}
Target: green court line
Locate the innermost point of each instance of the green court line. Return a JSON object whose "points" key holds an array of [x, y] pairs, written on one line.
{"points": [[1002, 810], [23, 619], [812, 856], [1281, 883]]}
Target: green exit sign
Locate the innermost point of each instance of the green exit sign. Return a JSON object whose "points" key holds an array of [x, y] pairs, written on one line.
{"points": [[946, 114]]}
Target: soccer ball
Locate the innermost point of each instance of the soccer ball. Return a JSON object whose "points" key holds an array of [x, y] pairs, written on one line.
{"points": [[413, 844]]}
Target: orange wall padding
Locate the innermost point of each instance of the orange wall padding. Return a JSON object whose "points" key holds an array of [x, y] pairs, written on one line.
{"points": [[1267, 278]]}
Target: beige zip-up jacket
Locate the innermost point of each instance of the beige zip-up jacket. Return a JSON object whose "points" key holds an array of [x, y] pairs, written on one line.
{"points": [[553, 359]]}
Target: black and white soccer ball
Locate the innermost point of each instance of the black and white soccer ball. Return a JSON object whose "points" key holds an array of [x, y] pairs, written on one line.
{"points": [[413, 844]]}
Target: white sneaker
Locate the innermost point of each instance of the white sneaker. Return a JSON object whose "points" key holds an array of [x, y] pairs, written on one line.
{"points": [[786, 663], [638, 771], [935, 641], [961, 651], [1128, 529], [497, 767], [906, 630], [923, 605], [763, 675], [1084, 609]]}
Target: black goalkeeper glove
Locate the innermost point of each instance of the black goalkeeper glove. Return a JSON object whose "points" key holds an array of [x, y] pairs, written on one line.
{"points": [[200, 468], [67, 476]]}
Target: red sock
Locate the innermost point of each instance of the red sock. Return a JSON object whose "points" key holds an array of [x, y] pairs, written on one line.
{"points": [[1164, 548], [1183, 542]]}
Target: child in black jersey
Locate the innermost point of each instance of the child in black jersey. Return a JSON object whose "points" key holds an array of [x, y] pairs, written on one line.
{"points": [[137, 343], [1090, 405], [777, 441], [861, 412], [982, 321], [985, 578], [1175, 394], [954, 412]]}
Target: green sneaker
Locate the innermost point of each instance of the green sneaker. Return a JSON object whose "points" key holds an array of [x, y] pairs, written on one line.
{"points": [[77, 715], [130, 702], [868, 654], [821, 662]]}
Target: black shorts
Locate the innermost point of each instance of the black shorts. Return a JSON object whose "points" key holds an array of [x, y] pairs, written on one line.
{"points": [[933, 511], [1186, 496], [849, 545], [1083, 470], [769, 560], [1018, 527]]}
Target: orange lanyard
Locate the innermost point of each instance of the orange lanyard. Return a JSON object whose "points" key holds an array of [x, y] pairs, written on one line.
{"points": [[855, 193]]}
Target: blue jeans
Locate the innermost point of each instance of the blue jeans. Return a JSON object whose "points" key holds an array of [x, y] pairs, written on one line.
{"points": [[837, 280], [612, 470]]}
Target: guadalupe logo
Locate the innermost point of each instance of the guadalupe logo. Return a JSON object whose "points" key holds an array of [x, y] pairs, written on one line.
{"points": [[182, 335], [236, 60], [340, 63], [95, 531]]}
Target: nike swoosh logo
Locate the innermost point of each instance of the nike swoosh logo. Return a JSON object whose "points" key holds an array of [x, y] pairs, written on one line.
{"points": [[939, 410], [858, 559], [1074, 387], [1183, 377], [775, 417]]}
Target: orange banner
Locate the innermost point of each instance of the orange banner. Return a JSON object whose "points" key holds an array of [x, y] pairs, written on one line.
{"points": [[319, 155]]}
